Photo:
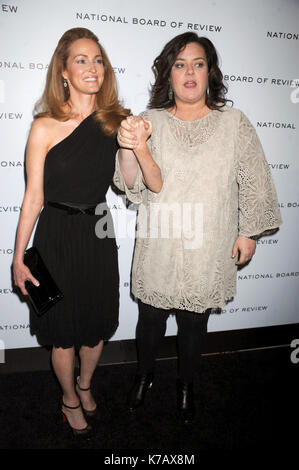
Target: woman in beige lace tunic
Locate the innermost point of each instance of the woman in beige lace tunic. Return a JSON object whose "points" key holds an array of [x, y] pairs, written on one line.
{"points": [[217, 198]]}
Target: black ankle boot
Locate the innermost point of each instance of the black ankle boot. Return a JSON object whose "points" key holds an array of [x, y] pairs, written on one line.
{"points": [[141, 385], [185, 401]]}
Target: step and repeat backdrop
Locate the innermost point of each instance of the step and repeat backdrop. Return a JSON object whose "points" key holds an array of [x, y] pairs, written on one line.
{"points": [[257, 43]]}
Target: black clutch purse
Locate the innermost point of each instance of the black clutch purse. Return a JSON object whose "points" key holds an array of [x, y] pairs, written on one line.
{"points": [[47, 293]]}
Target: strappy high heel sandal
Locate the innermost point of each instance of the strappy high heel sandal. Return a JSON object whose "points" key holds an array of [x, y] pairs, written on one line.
{"points": [[90, 413], [85, 432]]}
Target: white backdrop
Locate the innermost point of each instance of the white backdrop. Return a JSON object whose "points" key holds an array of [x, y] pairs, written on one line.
{"points": [[257, 44]]}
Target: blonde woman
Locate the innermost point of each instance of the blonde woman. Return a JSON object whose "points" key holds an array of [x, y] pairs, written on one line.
{"points": [[70, 164]]}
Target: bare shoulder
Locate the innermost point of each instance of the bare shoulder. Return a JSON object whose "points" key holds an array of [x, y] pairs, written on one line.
{"points": [[43, 125], [39, 139], [42, 133]]}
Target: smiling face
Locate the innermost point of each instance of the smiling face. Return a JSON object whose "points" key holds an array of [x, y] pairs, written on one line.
{"points": [[189, 75], [84, 68]]}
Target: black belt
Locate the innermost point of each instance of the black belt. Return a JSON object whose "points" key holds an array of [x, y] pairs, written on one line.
{"points": [[89, 210]]}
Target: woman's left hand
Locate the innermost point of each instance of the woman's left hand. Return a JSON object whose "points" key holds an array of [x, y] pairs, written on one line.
{"points": [[133, 132], [142, 130], [246, 247]]}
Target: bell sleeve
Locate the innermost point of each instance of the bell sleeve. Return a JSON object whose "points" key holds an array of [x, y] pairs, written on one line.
{"points": [[259, 212]]}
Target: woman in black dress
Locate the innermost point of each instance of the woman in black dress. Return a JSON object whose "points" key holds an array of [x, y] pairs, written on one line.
{"points": [[70, 163]]}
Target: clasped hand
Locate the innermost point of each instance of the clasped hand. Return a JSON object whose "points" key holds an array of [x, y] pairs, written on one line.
{"points": [[134, 132]]}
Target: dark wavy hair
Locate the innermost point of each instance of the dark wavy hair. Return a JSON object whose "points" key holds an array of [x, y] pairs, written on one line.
{"points": [[162, 68]]}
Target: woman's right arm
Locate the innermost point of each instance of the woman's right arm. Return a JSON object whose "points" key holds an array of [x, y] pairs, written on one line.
{"points": [[128, 165], [37, 147]]}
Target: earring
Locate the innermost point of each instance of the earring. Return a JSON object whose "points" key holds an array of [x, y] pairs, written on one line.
{"points": [[65, 84], [170, 93]]}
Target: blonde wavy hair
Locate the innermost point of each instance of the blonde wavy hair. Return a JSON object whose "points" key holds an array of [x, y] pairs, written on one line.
{"points": [[109, 111]]}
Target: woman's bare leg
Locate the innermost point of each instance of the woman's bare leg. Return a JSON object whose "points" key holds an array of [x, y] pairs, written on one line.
{"points": [[63, 361], [89, 358]]}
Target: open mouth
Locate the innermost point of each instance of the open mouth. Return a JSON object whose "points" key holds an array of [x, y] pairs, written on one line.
{"points": [[190, 84], [90, 79]]}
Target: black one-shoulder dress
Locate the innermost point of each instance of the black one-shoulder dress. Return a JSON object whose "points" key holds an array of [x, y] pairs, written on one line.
{"points": [[79, 170]]}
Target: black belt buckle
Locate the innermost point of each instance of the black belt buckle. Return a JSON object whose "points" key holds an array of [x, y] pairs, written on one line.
{"points": [[72, 210], [81, 210], [87, 210]]}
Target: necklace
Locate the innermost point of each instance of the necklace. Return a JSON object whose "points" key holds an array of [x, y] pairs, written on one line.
{"points": [[200, 114], [189, 132], [192, 133]]}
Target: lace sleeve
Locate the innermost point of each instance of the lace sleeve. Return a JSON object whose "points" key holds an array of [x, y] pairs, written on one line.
{"points": [[259, 212]]}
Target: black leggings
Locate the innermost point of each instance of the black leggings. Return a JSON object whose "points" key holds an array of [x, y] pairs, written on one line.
{"points": [[150, 331]]}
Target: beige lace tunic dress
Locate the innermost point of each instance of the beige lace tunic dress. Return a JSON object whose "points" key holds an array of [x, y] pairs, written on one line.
{"points": [[216, 185]]}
